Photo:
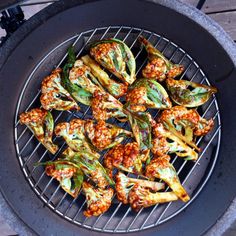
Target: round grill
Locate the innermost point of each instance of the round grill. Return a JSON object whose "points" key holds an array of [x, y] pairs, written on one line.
{"points": [[119, 218]]}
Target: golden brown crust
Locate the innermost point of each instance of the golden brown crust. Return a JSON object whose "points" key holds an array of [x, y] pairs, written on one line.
{"points": [[121, 154], [99, 112], [160, 162], [175, 71], [155, 69], [35, 115], [131, 151], [61, 173], [51, 92], [100, 204], [136, 202], [122, 196], [99, 134], [136, 100], [159, 143], [179, 114], [101, 51], [73, 126], [207, 128]]}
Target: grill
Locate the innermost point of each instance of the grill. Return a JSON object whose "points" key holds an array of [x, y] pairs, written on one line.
{"points": [[119, 217]]}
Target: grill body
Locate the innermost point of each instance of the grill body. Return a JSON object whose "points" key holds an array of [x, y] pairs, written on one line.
{"points": [[217, 65]]}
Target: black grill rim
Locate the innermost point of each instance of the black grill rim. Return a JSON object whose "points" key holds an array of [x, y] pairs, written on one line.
{"points": [[21, 33]]}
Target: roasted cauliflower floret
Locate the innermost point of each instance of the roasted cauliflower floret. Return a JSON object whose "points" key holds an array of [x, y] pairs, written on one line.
{"points": [[161, 168], [76, 79], [98, 200], [69, 176], [115, 56], [104, 135], [141, 196], [92, 168], [115, 88], [41, 123], [124, 184], [146, 93], [158, 67], [74, 135], [54, 96], [189, 94], [165, 142], [126, 157], [105, 106], [185, 123]]}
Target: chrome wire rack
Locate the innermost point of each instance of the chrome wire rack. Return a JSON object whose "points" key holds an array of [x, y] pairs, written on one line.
{"points": [[119, 218]]}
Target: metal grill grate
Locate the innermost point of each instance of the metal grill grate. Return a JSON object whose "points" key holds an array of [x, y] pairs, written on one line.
{"points": [[119, 217]]}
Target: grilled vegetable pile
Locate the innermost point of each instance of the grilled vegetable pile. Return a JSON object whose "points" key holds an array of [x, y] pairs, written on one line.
{"points": [[136, 167]]}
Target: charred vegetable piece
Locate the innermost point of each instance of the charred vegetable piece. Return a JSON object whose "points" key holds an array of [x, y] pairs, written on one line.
{"points": [[41, 123], [116, 57], [98, 200], [104, 135], [141, 126], [115, 88], [83, 80], [74, 135], [105, 106], [79, 93], [189, 94], [92, 168], [185, 124], [141, 196], [54, 96], [147, 93], [158, 67], [124, 184], [69, 176], [161, 168], [126, 157], [165, 142]]}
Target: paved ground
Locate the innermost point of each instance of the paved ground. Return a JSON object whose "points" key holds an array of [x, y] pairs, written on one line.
{"points": [[222, 11]]}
